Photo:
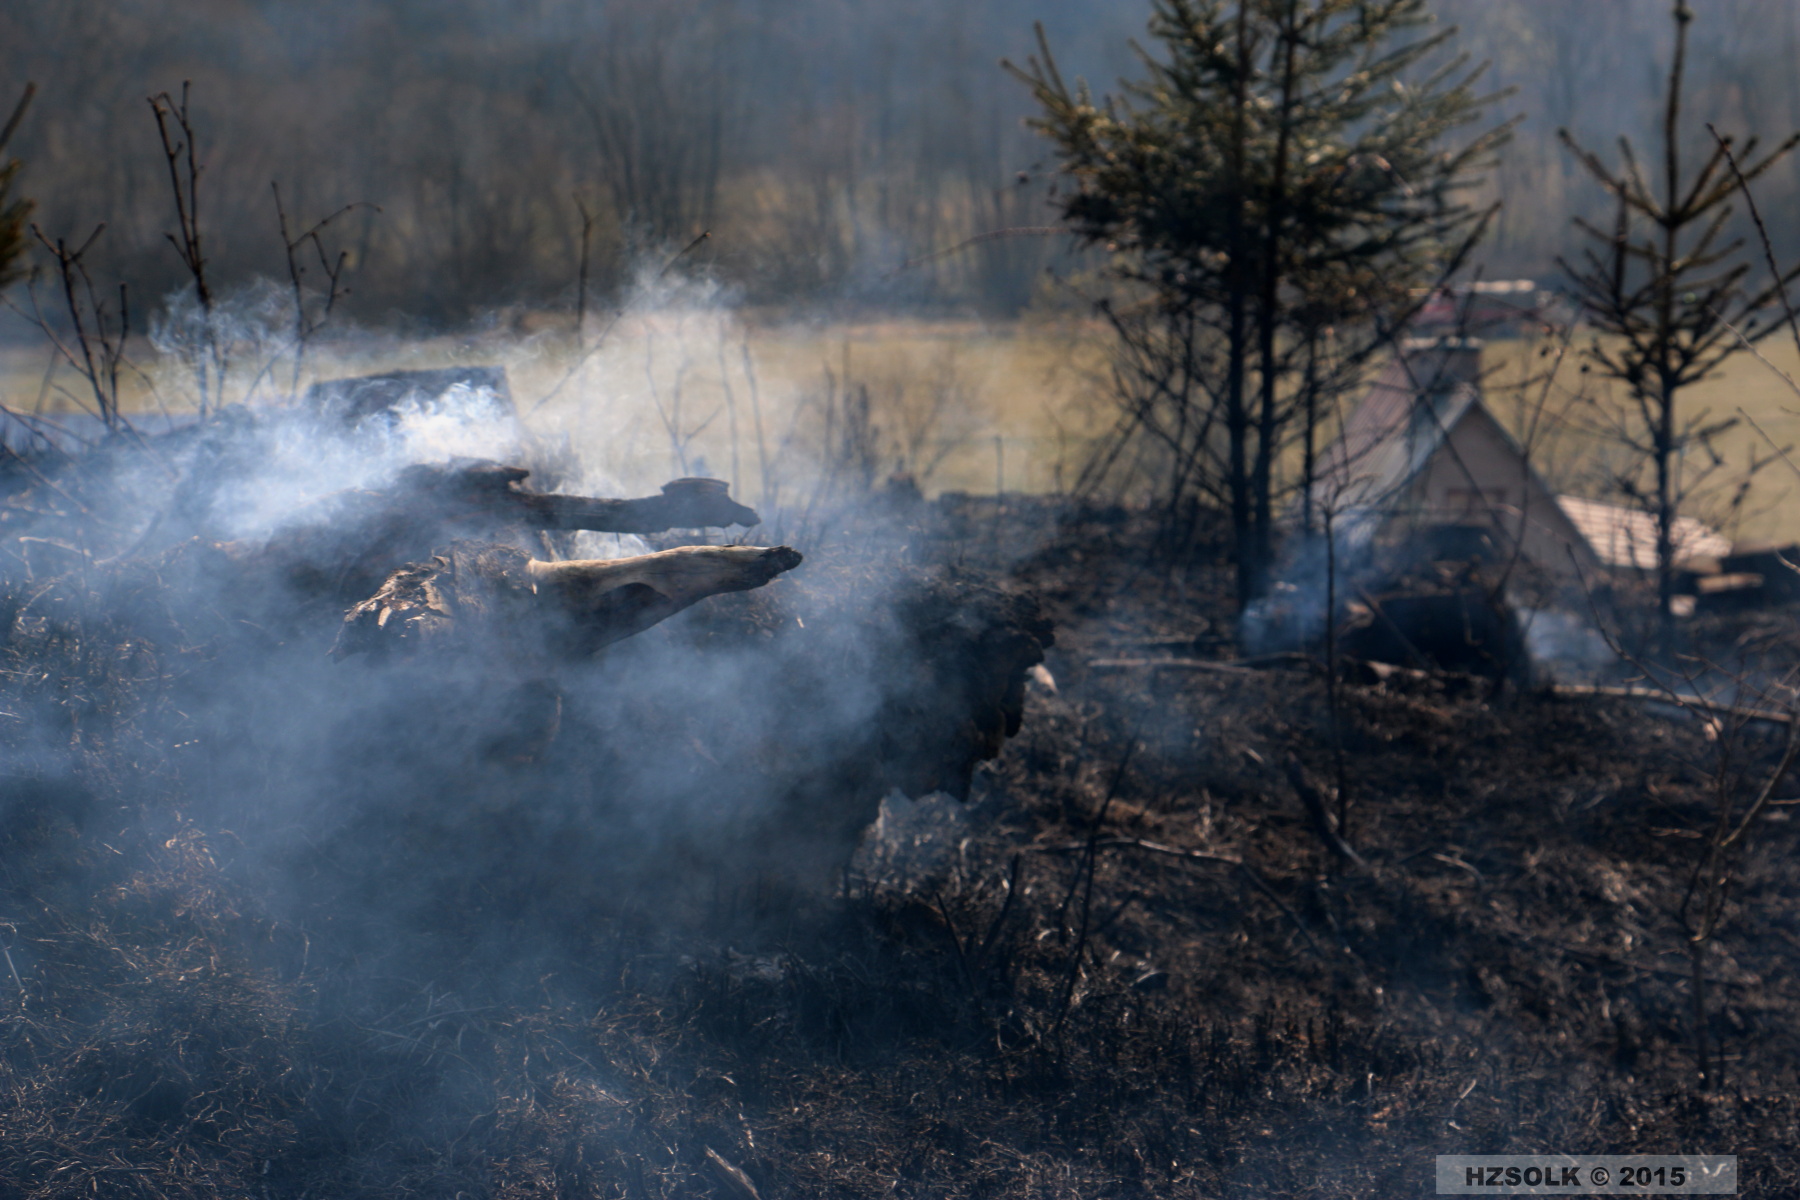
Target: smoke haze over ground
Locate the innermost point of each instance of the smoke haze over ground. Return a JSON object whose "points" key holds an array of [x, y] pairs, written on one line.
{"points": [[956, 836]]}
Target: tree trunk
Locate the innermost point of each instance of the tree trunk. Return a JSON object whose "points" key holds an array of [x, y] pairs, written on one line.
{"points": [[1237, 417], [1268, 423], [1310, 398], [1667, 484]]}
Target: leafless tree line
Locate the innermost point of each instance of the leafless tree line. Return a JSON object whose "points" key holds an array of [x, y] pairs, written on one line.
{"points": [[823, 144], [824, 148]]}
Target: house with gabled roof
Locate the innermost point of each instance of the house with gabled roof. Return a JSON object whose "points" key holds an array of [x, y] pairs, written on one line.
{"points": [[1421, 453]]}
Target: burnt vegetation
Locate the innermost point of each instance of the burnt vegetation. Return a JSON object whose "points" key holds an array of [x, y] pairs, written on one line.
{"points": [[377, 821], [247, 951]]}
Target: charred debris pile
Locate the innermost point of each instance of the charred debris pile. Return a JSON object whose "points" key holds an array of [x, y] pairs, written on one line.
{"points": [[398, 844], [433, 639]]}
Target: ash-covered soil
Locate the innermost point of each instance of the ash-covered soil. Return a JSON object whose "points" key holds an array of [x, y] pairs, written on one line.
{"points": [[1128, 966]]}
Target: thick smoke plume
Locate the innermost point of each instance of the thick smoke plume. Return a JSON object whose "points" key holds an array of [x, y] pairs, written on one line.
{"points": [[745, 744]]}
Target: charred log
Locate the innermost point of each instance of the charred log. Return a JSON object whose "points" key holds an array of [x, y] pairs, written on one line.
{"points": [[766, 728], [344, 551], [497, 599], [1465, 630], [479, 490], [972, 645], [903, 680]]}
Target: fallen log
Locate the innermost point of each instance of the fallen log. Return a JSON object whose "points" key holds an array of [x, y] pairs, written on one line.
{"points": [[345, 547], [1169, 664], [467, 488], [1241, 666], [490, 596], [1692, 704]]}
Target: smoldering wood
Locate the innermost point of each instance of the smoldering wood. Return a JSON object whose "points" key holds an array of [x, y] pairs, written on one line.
{"points": [[899, 677], [896, 679], [491, 597], [344, 548], [946, 654], [970, 646], [1466, 630], [475, 488]]}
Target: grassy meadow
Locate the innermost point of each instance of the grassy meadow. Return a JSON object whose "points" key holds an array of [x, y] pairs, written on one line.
{"points": [[1749, 491], [959, 405], [685, 392]]}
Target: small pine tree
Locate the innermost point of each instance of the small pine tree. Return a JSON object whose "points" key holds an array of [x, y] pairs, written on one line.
{"points": [[1664, 288], [1282, 166]]}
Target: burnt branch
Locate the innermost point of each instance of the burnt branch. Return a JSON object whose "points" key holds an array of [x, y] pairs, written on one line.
{"points": [[95, 346], [206, 353], [294, 242]]}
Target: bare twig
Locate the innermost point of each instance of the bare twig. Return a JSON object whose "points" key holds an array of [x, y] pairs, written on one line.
{"points": [[18, 116], [1693, 705], [1328, 832], [991, 235], [292, 240], [1781, 452], [763, 499], [1762, 233], [174, 125], [730, 1177], [1170, 664], [98, 348], [1087, 895], [581, 272]]}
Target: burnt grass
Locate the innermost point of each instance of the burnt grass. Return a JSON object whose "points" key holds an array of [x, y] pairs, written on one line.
{"points": [[1506, 973]]}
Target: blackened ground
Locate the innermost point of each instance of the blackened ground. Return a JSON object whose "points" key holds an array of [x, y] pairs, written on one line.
{"points": [[1507, 973]]}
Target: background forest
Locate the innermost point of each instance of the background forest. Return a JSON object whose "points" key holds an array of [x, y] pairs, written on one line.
{"points": [[825, 144]]}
